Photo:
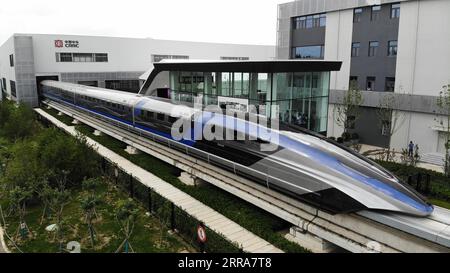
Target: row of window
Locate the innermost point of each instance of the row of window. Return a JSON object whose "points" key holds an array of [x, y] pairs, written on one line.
{"points": [[375, 13], [158, 58], [12, 84], [308, 52], [389, 84], [373, 48], [311, 21], [235, 58], [65, 57], [123, 85]]}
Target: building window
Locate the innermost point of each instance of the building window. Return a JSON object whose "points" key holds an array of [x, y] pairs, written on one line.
{"points": [[390, 85], [316, 20], [355, 49], [123, 85], [299, 22], [373, 48], [308, 52], [11, 60], [158, 58], [392, 48], [310, 21], [323, 20], [83, 57], [64, 57], [101, 58], [375, 15], [370, 85], [395, 11], [357, 13], [13, 88], [4, 84], [235, 58], [385, 128]]}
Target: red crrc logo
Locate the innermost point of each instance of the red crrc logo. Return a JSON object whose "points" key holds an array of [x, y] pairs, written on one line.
{"points": [[59, 43]]}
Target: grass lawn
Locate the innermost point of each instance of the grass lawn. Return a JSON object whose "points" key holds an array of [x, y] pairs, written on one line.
{"points": [[149, 235], [64, 119], [440, 203]]}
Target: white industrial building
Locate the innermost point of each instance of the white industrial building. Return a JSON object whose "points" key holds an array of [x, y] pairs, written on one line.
{"points": [[115, 63], [406, 42]]}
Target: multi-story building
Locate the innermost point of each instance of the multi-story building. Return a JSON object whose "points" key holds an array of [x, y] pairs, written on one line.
{"points": [[399, 46], [114, 63]]}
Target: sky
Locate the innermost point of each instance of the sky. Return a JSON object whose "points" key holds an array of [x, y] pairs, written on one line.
{"points": [[224, 21]]}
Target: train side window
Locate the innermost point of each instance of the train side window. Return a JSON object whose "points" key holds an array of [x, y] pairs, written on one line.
{"points": [[160, 117], [150, 115]]}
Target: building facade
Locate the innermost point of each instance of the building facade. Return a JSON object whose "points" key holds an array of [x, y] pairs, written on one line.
{"points": [[109, 62], [388, 47]]}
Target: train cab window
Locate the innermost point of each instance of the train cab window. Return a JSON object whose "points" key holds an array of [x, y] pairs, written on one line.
{"points": [[172, 119]]}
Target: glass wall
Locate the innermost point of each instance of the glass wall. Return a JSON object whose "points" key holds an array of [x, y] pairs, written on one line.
{"points": [[299, 98]]}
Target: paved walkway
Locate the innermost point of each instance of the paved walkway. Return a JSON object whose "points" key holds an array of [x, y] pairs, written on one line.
{"points": [[368, 148], [2, 242], [214, 220]]}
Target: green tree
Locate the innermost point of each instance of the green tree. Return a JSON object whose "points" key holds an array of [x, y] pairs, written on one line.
{"points": [[443, 103], [17, 121], [89, 204], [389, 120], [18, 197], [58, 152], [126, 216], [347, 112], [58, 198]]}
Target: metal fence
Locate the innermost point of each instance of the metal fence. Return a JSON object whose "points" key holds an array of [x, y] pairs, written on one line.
{"points": [[167, 212]]}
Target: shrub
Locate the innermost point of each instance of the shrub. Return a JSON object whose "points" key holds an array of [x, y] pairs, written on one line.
{"points": [[340, 140], [17, 121], [332, 138], [346, 136]]}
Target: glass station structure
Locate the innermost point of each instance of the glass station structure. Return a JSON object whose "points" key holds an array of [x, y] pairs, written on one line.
{"points": [[295, 91]]}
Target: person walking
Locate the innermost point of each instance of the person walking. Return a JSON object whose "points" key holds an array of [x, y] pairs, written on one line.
{"points": [[411, 149]]}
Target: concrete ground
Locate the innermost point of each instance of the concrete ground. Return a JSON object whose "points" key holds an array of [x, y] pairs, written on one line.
{"points": [[368, 148], [2, 242]]}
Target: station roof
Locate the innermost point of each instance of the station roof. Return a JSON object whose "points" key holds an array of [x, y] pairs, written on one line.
{"points": [[272, 66]]}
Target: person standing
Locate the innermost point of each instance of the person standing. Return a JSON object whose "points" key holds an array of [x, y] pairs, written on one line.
{"points": [[411, 149]]}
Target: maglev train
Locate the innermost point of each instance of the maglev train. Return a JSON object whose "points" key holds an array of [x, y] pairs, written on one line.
{"points": [[302, 164]]}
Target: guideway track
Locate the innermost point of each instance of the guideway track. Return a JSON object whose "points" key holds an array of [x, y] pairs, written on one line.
{"points": [[354, 232]]}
